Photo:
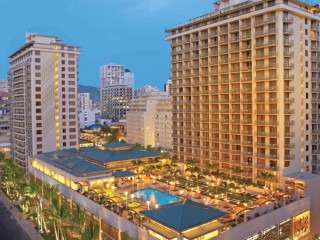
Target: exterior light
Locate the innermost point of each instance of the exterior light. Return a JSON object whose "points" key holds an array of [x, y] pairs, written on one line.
{"points": [[148, 203], [132, 197], [157, 206]]}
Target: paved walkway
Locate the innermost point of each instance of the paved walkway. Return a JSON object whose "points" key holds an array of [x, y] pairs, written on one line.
{"points": [[26, 225]]}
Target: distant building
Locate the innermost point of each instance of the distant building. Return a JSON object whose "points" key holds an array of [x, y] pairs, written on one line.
{"points": [[43, 83], [4, 87], [84, 101], [4, 123], [117, 84], [167, 87], [149, 118]]}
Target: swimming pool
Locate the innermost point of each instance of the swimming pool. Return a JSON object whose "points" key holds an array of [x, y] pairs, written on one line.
{"points": [[155, 196]]}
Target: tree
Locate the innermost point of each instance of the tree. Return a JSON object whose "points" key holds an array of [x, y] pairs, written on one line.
{"points": [[266, 176], [79, 219], [91, 232], [138, 163], [237, 171], [51, 191], [57, 214], [245, 182], [217, 175], [149, 148]]}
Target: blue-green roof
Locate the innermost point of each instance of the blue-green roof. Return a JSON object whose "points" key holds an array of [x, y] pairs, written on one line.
{"points": [[94, 127], [123, 174], [118, 145], [183, 215], [105, 156], [80, 166]]}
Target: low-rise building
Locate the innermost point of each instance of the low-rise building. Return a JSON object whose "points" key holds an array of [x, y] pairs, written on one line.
{"points": [[149, 119]]}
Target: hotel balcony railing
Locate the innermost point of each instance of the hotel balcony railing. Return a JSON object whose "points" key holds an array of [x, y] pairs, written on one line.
{"points": [[287, 19], [288, 42], [270, 100], [316, 151], [187, 49], [315, 69], [288, 31], [247, 153], [315, 27], [315, 59], [246, 47], [288, 65], [212, 34], [269, 168], [265, 21], [288, 88], [249, 143], [272, 123], [235, 120], [245, 36], [266, 55], [269, 156], [289, 145], [234, 28], [223, 31], [317, 121], [316, 161], [234, 49], [264, 111], [245, 69], [223, 51], [214, 43], [204, 35], [246, 58], [267, 89], [289, 157], [247, 174], [235, 100], [264, 78], [289, 123], [213, 53], [267, 134], [315, 38], [176, 43], [288, 77], [267, 145], [266, 43], [266, 32], [235, 162], [289, 134], [246, 121], [289, 100], [224, 61], [246, 111], [247, 132], [288, 53], [223, 41], [194, 39], [315, 48], [246, 25], [234, 39], [289, 111], [176, 51], [234, 80]]}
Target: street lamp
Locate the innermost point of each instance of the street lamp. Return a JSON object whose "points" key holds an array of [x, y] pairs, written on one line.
{"points": [[126, 193], [157, 206], [148, 203]]}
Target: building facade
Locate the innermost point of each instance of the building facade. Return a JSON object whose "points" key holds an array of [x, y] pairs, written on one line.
{"points": [[4, 123], [84, 101], [4, 86], [245, 86], [149, 119], [43, 81], [167, 87], [117, 84]]}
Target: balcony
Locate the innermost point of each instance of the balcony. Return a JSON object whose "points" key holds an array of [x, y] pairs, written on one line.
{"points": [[267, 66], [315, 27], [288, 31], [266, 32], [266, 43], [288, 65], [288, 54], [268, 168], [287, 19], [267, 89], [258, 22], [246, 25], [267, 55]]}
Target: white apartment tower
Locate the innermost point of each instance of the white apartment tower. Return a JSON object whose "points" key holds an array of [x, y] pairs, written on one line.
{"points": [[117, 84], [149, 119], [43, 81], [84, 101], [245, 86]]}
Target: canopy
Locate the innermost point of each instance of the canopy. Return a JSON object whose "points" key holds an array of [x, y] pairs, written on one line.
{"points": [[83, 183]]}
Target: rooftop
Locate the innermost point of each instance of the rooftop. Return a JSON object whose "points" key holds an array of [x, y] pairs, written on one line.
{"points": [[302, 176], [94, 127], [183, 215], [116, 145]]}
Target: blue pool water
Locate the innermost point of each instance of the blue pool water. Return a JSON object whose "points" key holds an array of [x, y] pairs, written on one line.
{"points": [[155, 196]]}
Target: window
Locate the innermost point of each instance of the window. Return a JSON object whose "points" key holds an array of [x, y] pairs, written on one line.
{"points": [[306, 31], [37, 67], [306, 42], [38, 89], [37, 53], [39, 139], [38, 103], [39, 145], [73, 143], [37, 74], [39, 131], [305, 21], [38, 110], [37, 60], [38, 117], [38, 124]]}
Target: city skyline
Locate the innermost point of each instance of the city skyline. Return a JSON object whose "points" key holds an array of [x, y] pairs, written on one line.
{"points": [[125, 42]]}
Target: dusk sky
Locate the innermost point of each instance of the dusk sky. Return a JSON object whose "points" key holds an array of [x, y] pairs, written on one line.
{"points": [[125, 32]]}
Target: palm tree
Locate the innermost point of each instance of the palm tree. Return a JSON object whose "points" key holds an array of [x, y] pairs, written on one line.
{"points": [[217, 175], [245, 182], [57, 214], [51, 191], [237, 171], [138, 163], [265, 176], [91, 232], [79, 219]]}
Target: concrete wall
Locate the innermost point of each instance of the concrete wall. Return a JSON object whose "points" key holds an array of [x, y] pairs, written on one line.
{"points": [[256, 225], [107, 216]]}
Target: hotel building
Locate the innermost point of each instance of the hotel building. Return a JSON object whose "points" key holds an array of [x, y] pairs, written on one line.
{"points": [[43, 80], [4, 122], [245, 86], [117, 84], [149, 119]]}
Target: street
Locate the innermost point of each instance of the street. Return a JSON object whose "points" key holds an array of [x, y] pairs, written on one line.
{"points": [[9, 228]]}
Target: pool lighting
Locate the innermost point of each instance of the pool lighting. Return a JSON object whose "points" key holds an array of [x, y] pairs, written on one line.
{"points": [[148, 203], [132, 197], [157, 206]]}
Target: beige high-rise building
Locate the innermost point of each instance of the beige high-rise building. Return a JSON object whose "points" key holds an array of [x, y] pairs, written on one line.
{"points": [[149, 119], [245, 86], [43, 80]]}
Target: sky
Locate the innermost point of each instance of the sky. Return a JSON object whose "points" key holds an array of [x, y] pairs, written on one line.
{"points": [[125, 32]]}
